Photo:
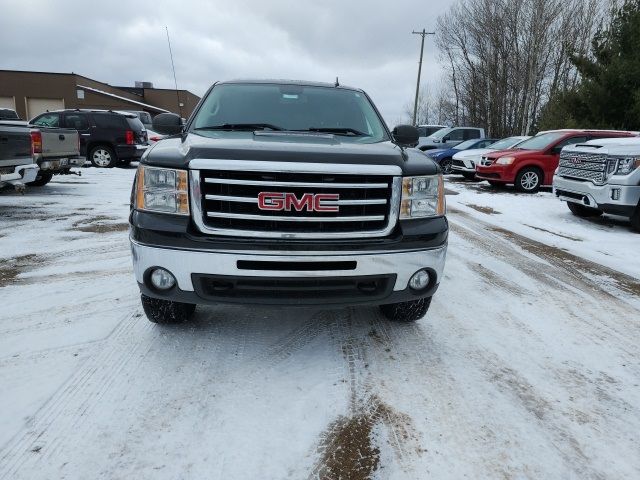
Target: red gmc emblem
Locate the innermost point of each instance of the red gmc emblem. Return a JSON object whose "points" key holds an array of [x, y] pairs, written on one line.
{"points": [[277, 201]]}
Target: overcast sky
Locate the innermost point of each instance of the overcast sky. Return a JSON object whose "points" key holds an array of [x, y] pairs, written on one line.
{"points": [[368, 44]]}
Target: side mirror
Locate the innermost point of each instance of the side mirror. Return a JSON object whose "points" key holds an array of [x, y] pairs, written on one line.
{"points": [[406, 135], [167, 123], [445, 139]]}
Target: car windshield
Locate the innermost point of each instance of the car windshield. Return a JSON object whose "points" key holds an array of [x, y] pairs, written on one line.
{"points": [[466, 145], [248, 107], [440, 134], [541, 141], [505, 143]]}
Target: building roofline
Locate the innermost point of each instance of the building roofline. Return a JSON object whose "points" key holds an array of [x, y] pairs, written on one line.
{"points": [[88, 78], [125, 99]]}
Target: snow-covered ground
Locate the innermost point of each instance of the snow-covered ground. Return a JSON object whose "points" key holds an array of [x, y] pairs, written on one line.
{"points": [[526, 366]]}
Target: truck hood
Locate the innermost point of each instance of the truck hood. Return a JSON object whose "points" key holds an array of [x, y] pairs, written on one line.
{"points": [[178, 151], [630, 147]]}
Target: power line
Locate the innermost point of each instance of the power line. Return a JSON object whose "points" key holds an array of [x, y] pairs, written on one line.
{"points": [[423, 34]]}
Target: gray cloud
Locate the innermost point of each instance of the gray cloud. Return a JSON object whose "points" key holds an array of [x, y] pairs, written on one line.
{"points": [[367, 44]]}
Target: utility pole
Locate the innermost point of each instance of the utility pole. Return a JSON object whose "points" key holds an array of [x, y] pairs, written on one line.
{"points": [[423, 34], [174, 71]]}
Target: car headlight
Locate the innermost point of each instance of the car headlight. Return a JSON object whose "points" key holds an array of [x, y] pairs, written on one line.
{"points": [[505, 160], [422, 197], [627, 165], [162, 190]]}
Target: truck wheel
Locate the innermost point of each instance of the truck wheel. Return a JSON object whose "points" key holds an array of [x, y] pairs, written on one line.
{"points": [[166, 311], [445, 165], [41, 180], [469, 175], [583, 211], [635, 219], [528, 180], [102, 156], [406, 311]]}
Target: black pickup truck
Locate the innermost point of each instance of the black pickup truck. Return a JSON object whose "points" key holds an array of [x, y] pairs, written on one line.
{"points": [[286, 193]]}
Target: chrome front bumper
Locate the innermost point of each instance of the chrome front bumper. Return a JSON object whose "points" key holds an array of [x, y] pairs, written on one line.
{"points": [[183, 263], [595, 195]]}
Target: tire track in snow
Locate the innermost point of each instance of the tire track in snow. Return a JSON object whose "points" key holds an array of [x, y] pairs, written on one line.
{"points": [[56, 417], [349, 447]]}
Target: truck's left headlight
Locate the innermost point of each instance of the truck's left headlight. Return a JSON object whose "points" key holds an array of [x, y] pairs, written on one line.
{"points": [[627, 165], [162, 190], [422, 197]]}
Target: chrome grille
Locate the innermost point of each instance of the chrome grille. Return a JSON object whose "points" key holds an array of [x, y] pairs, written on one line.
{"points": [[225, 199], [583, 166]]}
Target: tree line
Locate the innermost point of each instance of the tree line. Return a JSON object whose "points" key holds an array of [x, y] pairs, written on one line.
{"points": [[518, 66]]}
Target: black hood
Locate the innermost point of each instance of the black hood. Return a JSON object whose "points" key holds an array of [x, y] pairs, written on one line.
{"points": [[177, 152]]}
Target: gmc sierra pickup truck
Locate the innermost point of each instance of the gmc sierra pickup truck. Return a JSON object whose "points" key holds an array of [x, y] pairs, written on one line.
{"points": [[286, 193], [17, 165], [601, 176]]}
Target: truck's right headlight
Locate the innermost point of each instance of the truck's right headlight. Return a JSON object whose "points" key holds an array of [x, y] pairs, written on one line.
{"points": [[422, 197], [162, 190], [627, 165]]}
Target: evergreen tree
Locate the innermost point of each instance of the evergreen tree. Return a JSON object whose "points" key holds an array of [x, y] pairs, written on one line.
{"points": [[609, 93]]}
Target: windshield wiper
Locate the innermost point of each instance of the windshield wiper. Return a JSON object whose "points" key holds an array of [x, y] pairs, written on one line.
{"points": [[337, 131], [241, 127]]}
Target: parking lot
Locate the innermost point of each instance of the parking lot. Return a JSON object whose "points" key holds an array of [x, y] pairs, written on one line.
{"points": [[526, 365]]}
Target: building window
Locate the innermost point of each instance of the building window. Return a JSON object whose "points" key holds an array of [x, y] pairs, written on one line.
{"points": [[80, 93]]}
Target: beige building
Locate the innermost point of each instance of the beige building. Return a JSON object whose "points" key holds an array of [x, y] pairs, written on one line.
{"points": [[32, 93]]}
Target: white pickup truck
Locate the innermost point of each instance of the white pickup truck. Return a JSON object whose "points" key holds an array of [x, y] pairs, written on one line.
{"points": [[601, 176]]}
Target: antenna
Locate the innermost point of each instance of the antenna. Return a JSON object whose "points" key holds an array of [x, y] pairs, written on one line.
{"points": [[174, 71]]}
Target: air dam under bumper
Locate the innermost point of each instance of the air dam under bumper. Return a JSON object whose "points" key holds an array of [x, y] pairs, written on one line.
{"points": [[209, 277], [598, 196]]}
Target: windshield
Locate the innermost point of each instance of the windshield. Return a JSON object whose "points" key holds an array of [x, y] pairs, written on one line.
{"points": [[292, 108], [505, 143], [542, 141], [440, 134], [466, 145]]}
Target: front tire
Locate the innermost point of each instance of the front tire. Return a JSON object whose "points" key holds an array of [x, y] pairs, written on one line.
{"points": [[406, 311], [528, 180], [445, 165], [166, 311], [635, 219], [41, 180], [583, 211], [102, 156]]}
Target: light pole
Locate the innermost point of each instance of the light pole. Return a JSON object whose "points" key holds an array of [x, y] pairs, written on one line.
{"points": [[423, 34]]}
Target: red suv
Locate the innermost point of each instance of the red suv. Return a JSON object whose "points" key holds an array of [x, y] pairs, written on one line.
{"points": [[533, 163]]}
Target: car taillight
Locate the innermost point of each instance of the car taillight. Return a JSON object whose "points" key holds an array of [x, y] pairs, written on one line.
{"points": [[129, 137], [155, 138], [36, 142]]}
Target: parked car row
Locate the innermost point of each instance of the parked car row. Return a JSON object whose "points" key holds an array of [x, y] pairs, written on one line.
{"points": [[32, 156], [594, 171], [54, 142]]}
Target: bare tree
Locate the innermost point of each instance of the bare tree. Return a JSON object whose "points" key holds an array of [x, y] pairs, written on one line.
{"points": [[504, 58]]}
